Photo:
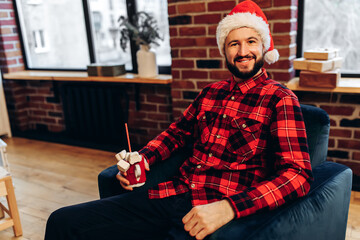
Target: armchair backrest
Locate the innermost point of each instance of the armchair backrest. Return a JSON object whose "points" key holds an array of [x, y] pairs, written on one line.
{"points": [[317, 125]]}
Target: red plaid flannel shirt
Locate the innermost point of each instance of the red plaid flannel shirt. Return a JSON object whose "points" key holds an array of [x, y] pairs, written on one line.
{"points": [[249, 147]]}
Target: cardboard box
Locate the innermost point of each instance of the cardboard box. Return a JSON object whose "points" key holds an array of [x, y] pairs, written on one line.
{"points": [[328, 79], [108, 70], [317, 65], [321, 54]]}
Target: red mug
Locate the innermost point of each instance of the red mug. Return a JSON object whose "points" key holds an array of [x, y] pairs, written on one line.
{"points": [[136, 174], [134, 166]]}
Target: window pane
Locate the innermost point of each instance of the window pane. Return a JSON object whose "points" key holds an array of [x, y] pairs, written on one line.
{"points": [[104, 17], [159, 9], [54, 34], [334, 24]]}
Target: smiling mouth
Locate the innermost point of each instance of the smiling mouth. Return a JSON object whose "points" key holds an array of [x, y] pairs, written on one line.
{"points": [[243, 59]]}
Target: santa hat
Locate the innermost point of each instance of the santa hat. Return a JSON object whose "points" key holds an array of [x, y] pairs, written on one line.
{"points": [[247, 14]]}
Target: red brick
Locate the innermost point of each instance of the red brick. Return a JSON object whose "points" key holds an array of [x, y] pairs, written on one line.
{"points": [[174, 53], [183, 84], [6, 6], [197, 53], [287, 52], [280, 27], [212, 30], [356, 156], [39, 112], [171, 10], [205, 41], [191, 7], [192, 31], [5, 30], [215, 53], [286, 39], [165, 109], [56, 128], [182, 42], [145, 123], [220, 74], [181, 103], [338, 110], [148, 107], [175, 73], [37, 98], [263, 3], [158, 117], [207, 19], [349, 144], [331, 143], [221, 6], [357, 134], [340, 133], [173, 31], [194, 74], [176, 94], [183, 63], [10, 22], [333, 123], [156, 99], [277, 14], [279, 3]]}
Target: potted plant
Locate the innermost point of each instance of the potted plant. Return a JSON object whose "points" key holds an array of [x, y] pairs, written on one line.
{"points": [[144, 31]]}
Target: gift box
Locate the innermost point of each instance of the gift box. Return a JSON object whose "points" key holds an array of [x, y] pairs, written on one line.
{"points": [[328, 79], [321, 54], [108, 70], [317, 65]]}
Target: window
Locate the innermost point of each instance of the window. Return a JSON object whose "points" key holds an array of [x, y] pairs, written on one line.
{"points": [[70, 34], [332, 24]]}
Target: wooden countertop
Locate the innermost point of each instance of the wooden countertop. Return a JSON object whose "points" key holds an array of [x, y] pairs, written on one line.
{"points": [[345, 85], [83, 77]]}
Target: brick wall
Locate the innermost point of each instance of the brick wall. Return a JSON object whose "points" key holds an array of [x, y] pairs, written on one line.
{"points": [[196, 63], [196, 59]]}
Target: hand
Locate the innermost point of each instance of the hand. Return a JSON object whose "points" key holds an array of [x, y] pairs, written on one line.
{"points": [[205, 219], [129, 157]]}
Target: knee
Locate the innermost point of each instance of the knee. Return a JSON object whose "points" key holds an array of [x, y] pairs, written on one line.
{"points": [[59, 220]]}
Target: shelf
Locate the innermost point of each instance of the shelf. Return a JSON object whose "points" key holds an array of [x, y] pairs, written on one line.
{"points": [[346, 85], [83, 77]]}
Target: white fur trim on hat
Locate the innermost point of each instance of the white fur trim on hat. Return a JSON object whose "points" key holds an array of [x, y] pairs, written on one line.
{"points": [[238, 20], [272, 56]]}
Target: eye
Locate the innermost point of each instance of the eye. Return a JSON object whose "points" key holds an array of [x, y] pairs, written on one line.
{"points": [[233, 44]]}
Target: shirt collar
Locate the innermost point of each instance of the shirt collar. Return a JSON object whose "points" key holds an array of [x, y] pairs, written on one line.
{"points": [[244, 86]]}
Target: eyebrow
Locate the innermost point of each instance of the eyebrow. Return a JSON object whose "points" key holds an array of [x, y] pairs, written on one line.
{"points": [[249, 38]]}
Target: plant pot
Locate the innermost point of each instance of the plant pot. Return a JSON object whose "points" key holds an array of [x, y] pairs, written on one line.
{"points": [[146, 61]]}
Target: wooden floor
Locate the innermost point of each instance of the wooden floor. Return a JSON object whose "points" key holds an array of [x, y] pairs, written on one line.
{"points": [[48, 176]]}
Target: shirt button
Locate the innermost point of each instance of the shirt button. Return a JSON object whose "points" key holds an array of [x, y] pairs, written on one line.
{"points": [[204, 117], [218, 136], [233, 98], [198, 166], [224, 116], [244, 125], [192, 185], [210, 154]]}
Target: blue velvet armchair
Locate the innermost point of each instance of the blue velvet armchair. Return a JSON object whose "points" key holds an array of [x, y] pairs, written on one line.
{"points": [[322, 214]]}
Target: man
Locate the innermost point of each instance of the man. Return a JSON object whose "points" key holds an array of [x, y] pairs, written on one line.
{"points": [[249, 152]]}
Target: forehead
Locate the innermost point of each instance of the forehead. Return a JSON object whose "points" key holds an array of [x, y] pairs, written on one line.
{"points": [[242, 33]]}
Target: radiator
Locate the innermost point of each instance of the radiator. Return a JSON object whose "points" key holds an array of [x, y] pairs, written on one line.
{"points": [[95, 112]]}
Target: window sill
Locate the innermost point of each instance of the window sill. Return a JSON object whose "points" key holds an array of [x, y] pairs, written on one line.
{"points": [[83, 77], [345, 85]]}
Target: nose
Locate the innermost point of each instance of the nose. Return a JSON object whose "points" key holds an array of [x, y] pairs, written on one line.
{"points": [[243, 50]]}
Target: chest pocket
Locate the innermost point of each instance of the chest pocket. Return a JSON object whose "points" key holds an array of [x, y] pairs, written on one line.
{"points": [[206, 123], [244, 135]]}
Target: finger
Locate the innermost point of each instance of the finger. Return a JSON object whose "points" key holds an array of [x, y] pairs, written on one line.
{"points": [[187, 217], [201, 234], [195, 230]]}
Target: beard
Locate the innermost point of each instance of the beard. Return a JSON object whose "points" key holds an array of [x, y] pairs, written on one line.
{"points": [[259, 63]]}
